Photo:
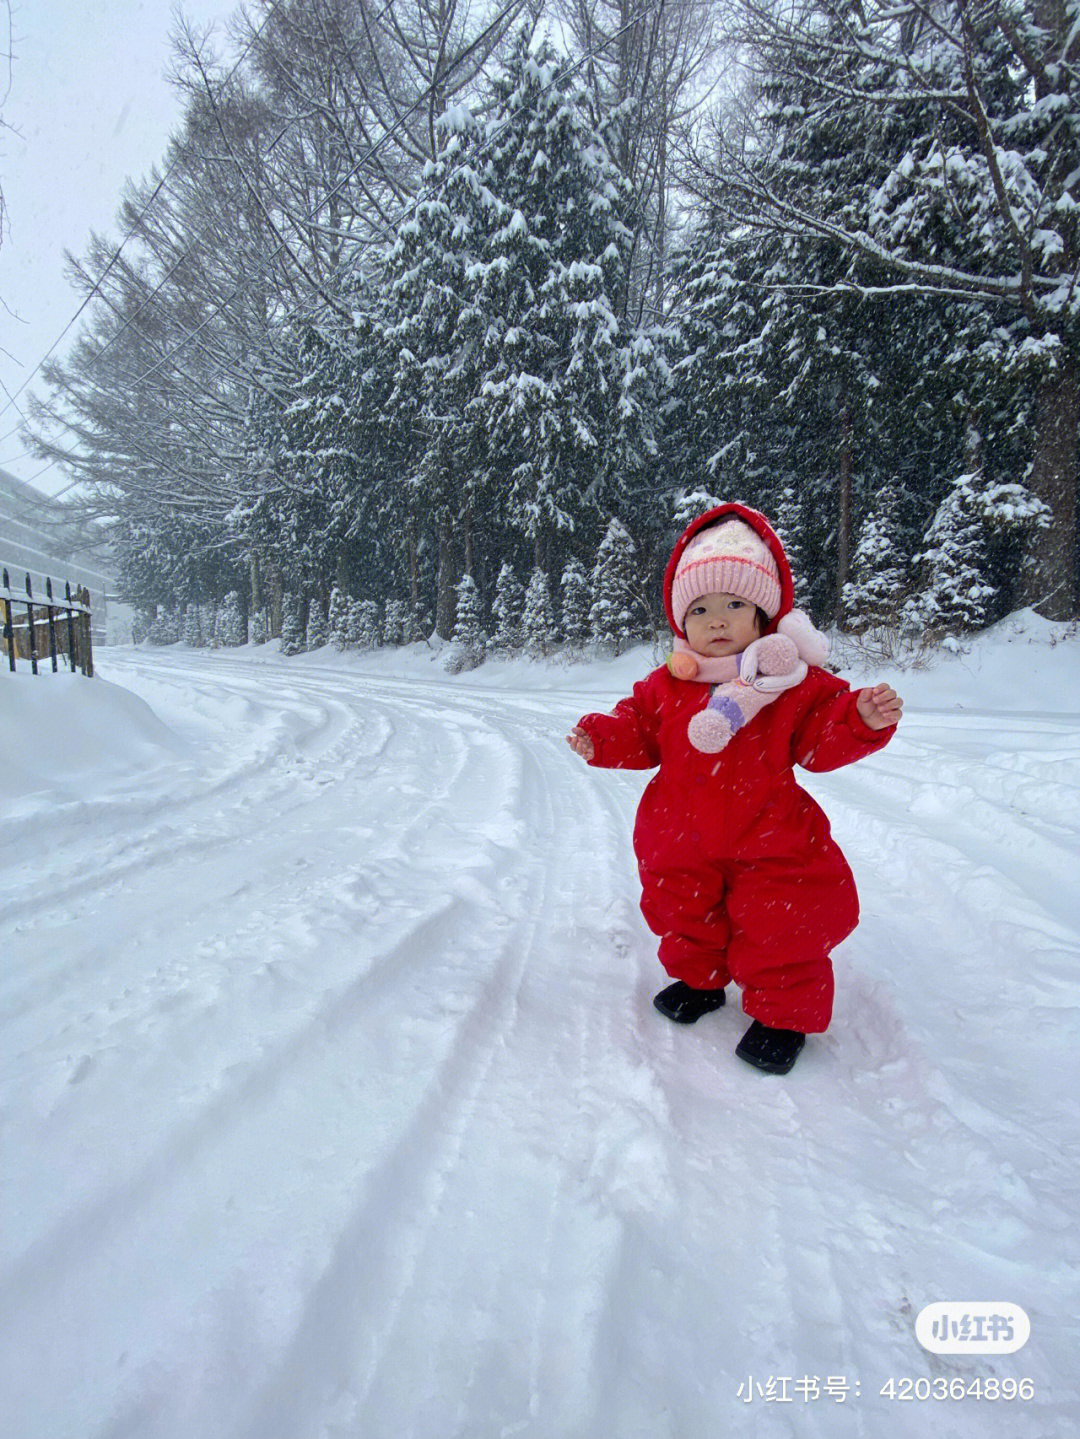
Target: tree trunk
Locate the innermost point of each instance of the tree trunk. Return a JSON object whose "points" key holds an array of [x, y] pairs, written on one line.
{"points": [[661, 205], [843, 519], [414, 568], [466, 530], [275, 593], [256, 585], [1051, 579], [445, 598]]}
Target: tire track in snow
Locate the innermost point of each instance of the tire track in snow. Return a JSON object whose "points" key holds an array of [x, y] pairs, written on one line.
{"points": [[94, 1226], [452, 915], [379, 1259]]}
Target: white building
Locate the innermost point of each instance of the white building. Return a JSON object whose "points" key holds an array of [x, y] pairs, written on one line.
{"points": [[44, 539]]}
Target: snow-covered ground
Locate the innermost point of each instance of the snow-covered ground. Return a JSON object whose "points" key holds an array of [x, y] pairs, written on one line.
{"points": [[334, 1103]]}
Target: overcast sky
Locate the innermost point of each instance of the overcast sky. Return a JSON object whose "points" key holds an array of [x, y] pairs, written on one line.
{"points": [[88, 106]]}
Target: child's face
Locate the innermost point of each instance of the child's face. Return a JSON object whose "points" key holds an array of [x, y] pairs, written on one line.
{"points": [[719, 624]]}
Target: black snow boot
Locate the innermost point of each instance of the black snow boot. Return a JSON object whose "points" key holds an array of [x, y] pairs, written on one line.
{"points": [[685, 1005], [773, 1050]]}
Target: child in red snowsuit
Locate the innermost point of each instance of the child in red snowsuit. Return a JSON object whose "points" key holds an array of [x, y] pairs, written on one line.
{"points": [[740, 875]]}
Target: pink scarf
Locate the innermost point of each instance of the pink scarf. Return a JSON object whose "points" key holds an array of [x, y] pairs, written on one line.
{"points": [[744, 684]]}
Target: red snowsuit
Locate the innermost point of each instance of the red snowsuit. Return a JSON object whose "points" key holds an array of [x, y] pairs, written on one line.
{"points": [[740, 875]]}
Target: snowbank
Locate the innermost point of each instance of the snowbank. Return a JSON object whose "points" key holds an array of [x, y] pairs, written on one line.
{"points": [[1025, 664], [62, 731]]}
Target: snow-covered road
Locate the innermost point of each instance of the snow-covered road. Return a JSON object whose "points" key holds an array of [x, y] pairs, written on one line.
{"points": [[334, 1103]]}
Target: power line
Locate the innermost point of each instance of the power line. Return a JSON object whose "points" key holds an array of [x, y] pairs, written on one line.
{"points": [[228, 300], [190, 335], [134, 226]]}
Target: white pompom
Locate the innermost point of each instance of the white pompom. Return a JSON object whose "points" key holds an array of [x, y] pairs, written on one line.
{"points": [[812, 645]]}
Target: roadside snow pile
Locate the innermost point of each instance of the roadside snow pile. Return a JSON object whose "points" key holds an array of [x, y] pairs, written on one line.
{"points": [[64, 733], [1023, 664]]}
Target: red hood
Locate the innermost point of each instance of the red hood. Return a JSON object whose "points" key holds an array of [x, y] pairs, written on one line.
{"points": [[758, 523]]}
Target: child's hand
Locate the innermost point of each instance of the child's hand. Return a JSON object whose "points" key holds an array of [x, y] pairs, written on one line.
{"points": [[580, 743], [879, 707]]}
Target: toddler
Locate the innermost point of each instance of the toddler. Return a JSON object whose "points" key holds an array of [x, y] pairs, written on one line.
{"points": [[740, 875]]}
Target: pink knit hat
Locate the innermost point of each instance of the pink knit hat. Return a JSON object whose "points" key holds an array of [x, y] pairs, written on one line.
{"points": [[727, 558]]}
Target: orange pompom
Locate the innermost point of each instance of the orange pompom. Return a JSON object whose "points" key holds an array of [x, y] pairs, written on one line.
{"points": [[682, 666]]}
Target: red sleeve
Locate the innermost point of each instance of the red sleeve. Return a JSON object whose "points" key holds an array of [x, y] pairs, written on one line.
{"points": [[626, 738], [832, 732]]}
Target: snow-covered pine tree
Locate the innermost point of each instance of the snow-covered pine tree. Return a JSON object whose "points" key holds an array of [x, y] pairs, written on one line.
{"points": [[208, 623], [562, 400], [396, 622], [574, 606], [165, 628], [976, 549], [880, 571], [615, 616], [259, 626], [338, 618], [229, 628], [790, 380], [788, 524], [292, 624], [506, 610], [317, 633], [192, 629], [956, 594], [538, 617], [468, 638], [363, 631], [433, 342]]}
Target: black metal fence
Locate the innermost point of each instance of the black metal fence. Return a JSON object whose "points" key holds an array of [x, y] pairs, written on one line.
{"points": [[48, 628]]}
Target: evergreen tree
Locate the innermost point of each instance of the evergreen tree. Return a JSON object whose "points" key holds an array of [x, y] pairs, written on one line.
{"points": [[563, 404], [418, 626], [538, 618], [317, 633], [192, 629], [965, 120], [506, 610], [292, 624], [880, 571], [433, 355], [574, 608], [956, 594], [615, 616], [165, 627], [396, 623], [974, 551], [794, 393], [229, 627], [362, 631], [338, 618], [788, 524], [468, 636], [208, 623]]}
